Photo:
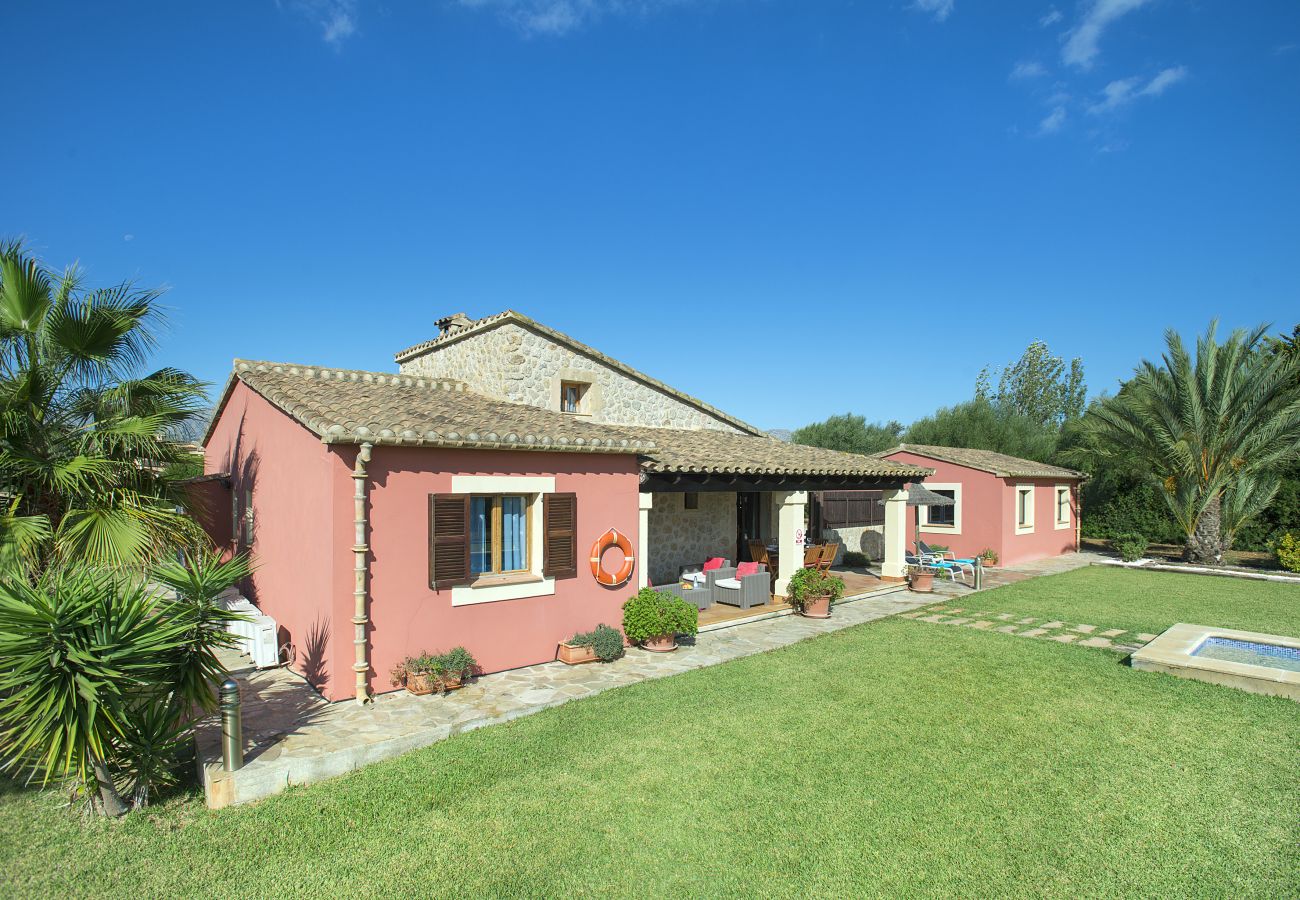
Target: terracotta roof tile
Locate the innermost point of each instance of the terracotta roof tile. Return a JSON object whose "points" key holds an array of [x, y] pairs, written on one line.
{"points": [[999, 464], [351, 406]]}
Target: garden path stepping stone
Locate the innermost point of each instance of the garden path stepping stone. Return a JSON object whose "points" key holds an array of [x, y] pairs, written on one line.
{"points": [[1113, 632], [1146, 638], [1005, 617], [1085, 629], [981, 624], [1054, 625], [1007, 629], [1028, 621], [1033, 632], [1095, 642], [1064, 638]]}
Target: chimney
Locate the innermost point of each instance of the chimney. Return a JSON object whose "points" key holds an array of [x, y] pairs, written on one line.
{"points": [[453, 323]]}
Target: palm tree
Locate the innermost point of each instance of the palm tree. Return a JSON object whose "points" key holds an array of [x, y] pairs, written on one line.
{"points": [[84, 451], [1211, 432]]}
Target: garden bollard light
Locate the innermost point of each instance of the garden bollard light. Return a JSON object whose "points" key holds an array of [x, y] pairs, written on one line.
{"points": [[232, 727], [979, 573]]}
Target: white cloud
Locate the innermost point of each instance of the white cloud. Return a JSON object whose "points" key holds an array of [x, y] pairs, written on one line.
{"points": [[1053, 122], [336, 19], [1126, 90], [128, 238], [938, 9], [1082, 45], [1050, 18], [554, 18], [1026, 70]]}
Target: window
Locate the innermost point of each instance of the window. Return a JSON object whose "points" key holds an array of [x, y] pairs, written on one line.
{"points": [[571, 396], [248, 518], [1024, 509], [692, 500], [946, 519], [1062, 506], [498, 535], [488, 546], [943, 516]]}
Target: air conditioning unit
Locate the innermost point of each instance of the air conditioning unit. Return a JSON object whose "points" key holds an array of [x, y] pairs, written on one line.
{"points": [[264, 647]]}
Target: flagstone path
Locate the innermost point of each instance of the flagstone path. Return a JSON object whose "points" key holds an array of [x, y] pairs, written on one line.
{"points": [[1080, 634]]}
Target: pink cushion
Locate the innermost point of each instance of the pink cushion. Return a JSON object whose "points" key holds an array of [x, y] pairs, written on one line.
{"points": [[715, 563], [750, 568]]}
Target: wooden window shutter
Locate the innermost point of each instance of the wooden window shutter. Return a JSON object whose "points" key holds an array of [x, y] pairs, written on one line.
{"points": [[560, 535], [448, 540]]}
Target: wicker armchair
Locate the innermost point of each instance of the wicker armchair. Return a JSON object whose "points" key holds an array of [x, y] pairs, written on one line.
{"points": [[749, 591]]}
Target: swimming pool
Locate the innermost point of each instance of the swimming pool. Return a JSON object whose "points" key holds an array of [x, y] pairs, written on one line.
{"points": [[1251, 653], [1260, 663]]}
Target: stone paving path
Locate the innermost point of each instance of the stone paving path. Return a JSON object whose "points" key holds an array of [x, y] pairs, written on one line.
{"points": [[1080, 634], [292, 736]]}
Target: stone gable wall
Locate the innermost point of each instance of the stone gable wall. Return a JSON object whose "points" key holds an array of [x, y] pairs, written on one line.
{"points": [[518, 365]]}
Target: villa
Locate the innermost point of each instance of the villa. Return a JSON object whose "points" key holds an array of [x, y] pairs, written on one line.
{"points": [[507, 487]]}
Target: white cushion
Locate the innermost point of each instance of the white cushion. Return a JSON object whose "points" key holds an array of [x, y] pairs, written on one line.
{"points": [[731, 584]]}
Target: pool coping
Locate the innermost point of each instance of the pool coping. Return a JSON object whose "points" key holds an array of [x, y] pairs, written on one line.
{"points": [[1171, 653]]}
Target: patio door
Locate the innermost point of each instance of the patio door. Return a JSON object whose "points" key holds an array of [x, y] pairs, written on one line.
{"points": [[748, 516]]}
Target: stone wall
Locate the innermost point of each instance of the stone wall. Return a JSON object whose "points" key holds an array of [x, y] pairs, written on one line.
{"points": [[681, 536], [869, 539], [519, 365]]}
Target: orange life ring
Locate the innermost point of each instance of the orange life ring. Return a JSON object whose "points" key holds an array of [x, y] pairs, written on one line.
{"points": [[612, 538]]}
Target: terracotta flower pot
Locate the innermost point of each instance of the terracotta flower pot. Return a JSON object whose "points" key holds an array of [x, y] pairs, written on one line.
{"points": [[420, 684], [817, 607], [988, 563], [576, 656], [448, 683], [922, 583], [661, 643]]}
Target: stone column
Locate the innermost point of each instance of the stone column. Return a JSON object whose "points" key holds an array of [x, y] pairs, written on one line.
{"points": [[790, 524], [894, 567], [647, 502]]}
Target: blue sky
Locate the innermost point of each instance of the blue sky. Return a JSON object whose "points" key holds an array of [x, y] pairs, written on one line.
{"points": [[787, 209]]}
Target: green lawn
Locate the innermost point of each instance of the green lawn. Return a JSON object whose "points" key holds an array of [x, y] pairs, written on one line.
{"points": [[1148, 601], [897, 758]]}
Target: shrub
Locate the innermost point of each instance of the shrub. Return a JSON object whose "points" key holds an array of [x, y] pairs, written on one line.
{"points": [[1287, 551], [649, 613], [1130, 546], [457, 662], [605, 640], [807, 584], [854, 560]]}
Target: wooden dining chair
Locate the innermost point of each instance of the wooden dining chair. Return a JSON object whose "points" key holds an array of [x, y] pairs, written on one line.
{"points": [[812, 556], [758, 553], [828, 556]]}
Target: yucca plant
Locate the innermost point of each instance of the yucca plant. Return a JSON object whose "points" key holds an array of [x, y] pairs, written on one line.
{"points": [[78, 651], [1210, 431], [198, 580], [102, 675], [83, 436]]}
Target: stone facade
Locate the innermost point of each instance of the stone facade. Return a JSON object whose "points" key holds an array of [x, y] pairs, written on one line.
{"points": [[516, 364], [866, 539], [681, 536]]}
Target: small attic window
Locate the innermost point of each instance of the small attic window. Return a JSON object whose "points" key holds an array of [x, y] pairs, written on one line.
{"points": [[572, 394]]}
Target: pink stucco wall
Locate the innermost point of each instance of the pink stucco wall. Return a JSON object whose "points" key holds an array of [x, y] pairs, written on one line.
{"points": [[302, 498], [293, 479], [989, 514], [408, 616]]}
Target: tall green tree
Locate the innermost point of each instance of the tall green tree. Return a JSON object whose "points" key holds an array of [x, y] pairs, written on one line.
{"points": [[1211, 430], [981, 424], [1039, 386], [850, 433], [85, 455]]}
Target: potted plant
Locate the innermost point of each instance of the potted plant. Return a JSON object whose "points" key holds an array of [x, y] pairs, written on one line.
{"points": [[416, 673], [812, 593], [654, 620], [989, 557], [921, 579], [604, 643], [454, 667]]}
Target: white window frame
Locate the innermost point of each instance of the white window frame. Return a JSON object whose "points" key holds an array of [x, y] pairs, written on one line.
{"points": [[1068, 522], [955, 527], [1028, 527], [517, 585]]}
